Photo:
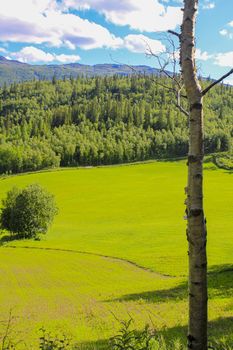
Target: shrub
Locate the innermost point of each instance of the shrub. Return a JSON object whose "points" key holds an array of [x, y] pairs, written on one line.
{"points": [[28, 212], [224, 160], [51, 342], [128, 339]]}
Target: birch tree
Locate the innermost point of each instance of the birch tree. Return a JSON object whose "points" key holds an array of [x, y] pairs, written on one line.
{"points": [[186, 87], [196, 227]]}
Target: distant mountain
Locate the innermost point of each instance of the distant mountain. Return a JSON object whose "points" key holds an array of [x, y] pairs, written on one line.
{"points": [[15, 71]]}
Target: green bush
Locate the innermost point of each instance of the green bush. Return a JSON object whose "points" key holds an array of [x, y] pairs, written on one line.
{"points": [[224, 160], [50, 342], [128, 338], [28, 212]]}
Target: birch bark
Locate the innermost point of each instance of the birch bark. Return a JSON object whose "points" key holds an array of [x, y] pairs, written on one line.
{"points": [[196, 228]]}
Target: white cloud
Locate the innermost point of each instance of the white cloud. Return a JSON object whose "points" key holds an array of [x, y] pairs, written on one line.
{"points": [[208, 6], [223, 32], [224, 59], [67, 58], [227, 33], [150, 17], [32, 54], [42, 21], [2, 50], [203, 56], [220, 59], [134, 43], [142, 44], [50, 23], [229, 81]]}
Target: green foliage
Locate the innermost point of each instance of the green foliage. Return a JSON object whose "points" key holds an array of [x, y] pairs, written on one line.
{"points": [[102, 120], [48, 341], [224, 161], [128, 339], [131, 339], [7, 334], [221, 345], [28, 212]]}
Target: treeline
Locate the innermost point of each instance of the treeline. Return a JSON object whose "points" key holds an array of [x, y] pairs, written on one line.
{"points": [[102, 120]]}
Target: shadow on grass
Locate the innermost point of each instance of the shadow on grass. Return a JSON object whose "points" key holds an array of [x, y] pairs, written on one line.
{"points": [[220, 279], [219, 329], [163, 295], [10, 237], [94, 345], [169, 160], [219, 283]]}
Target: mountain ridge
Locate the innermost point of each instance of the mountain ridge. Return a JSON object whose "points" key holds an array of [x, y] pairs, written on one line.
{"points": [[12, 71]]}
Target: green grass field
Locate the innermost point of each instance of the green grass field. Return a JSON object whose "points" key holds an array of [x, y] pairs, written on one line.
{"points": [[129, 219]]}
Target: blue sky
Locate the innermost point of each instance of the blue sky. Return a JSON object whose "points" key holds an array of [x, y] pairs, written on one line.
{"points": [[105, 31]]}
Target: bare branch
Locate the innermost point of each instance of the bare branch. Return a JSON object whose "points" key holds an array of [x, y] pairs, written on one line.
{"points": [[7, 331], [168, 88], [154, 80], [169, 58], [165, 59], [174, 33], [178, 104], [216, 82], [182, 110]]}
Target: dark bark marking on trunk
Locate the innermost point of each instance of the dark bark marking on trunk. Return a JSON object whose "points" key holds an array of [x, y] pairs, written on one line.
{"points": [[195, 212], [193, 159], [199, 177], [196, 105], [196, 283]]}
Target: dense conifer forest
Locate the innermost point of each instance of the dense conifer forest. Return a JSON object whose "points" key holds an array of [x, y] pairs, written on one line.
{"points": [[102, 120]]}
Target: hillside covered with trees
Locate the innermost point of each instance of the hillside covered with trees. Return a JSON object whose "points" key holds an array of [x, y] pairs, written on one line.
{"points": [[12, 71], [102, 120]]}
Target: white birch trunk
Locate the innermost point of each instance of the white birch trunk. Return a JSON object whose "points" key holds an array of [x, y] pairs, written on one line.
{"points": [[196, 230]]}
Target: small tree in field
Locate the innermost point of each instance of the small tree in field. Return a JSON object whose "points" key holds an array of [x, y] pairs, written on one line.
{"points": [[28, 212]]}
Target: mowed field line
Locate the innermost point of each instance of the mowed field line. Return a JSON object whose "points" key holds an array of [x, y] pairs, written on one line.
{"points": [[114, 258], [80, 293], [84, 294], [90, 253], [114, 249], [135, 213]]}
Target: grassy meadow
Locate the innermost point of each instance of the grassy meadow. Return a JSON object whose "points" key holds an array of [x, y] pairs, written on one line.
{"points": [[117, 249]]}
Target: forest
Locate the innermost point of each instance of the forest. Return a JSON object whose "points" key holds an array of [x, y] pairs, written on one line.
{"points": [[102, 120]]}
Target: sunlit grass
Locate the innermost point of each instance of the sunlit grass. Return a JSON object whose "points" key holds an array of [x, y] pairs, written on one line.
{"points": [[130, 212]]}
